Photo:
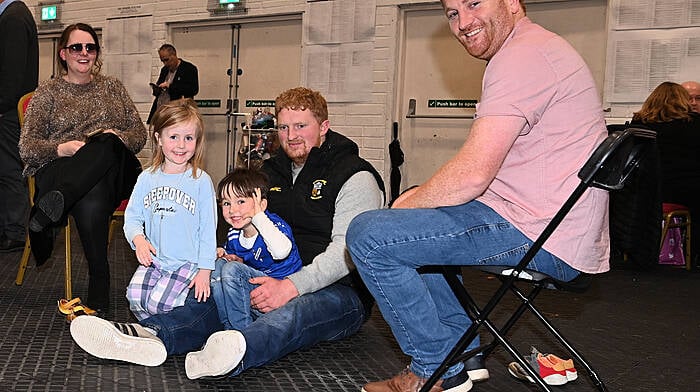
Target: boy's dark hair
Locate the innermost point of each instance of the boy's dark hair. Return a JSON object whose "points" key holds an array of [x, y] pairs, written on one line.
{"points": [[243, 182]]}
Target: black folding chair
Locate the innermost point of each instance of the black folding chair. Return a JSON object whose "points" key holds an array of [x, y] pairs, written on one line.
{"points": [[607, 168]]}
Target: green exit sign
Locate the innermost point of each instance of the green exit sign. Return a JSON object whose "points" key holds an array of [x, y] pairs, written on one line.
{"points": [[49, 12]]}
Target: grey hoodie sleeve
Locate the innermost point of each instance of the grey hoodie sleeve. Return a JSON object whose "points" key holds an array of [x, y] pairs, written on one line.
{"points": [[359, 193]]}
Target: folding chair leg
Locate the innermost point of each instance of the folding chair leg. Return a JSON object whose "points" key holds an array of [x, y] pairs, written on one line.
{"points": [[25, 260], [478, 318], [68, 285], [525, 302], [564, 342]]}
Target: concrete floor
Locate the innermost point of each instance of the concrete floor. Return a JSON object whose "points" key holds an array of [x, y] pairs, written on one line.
{"points": [[640, 330]]}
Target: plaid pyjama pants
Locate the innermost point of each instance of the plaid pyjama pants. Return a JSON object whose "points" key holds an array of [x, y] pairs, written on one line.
{"points": [[153, 291]]}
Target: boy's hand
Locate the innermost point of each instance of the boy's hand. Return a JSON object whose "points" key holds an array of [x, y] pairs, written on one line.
{"points": [[221, 254], [201, 282], [257, 202], [233, 258], [144, 250]]}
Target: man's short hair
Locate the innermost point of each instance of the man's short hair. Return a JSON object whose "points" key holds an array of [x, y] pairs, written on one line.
{"points": [[302, 98], [522, 4], [168, 48]]}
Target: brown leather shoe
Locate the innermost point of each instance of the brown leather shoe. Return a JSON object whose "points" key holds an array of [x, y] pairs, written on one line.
{"points": [[407, 381]]}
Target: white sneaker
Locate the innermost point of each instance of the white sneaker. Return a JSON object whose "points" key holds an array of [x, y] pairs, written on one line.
{"points": [[221, 354], [476, 368], [120, 341]]}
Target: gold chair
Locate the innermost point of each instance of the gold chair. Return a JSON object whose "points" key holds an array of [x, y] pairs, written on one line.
{"points": [[21, 109], [27, 251], [671, 211], [116, 215]]}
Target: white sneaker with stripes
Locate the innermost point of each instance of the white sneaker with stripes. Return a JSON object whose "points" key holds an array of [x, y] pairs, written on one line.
{"points": [[128, 342]]}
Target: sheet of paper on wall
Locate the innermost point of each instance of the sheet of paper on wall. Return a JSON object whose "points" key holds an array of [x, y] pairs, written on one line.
{"points": [[128, 35], [342, 73], [132, 70], [639, 60], [352, 21], [649, 42], [646, 14], [128, 54]]}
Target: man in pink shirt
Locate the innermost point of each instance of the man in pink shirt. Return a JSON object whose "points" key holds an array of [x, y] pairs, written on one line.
{"points": [[538, 120]]}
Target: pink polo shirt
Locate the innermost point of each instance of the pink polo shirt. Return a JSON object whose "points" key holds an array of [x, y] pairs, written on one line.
{"points": [[537, 75]]}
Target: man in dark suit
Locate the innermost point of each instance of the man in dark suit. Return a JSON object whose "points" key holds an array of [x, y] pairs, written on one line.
{"points": [[178, 79], [19, 73]]}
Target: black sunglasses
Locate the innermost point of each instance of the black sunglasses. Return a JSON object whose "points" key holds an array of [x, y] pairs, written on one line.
{"points": [[78, 48]]}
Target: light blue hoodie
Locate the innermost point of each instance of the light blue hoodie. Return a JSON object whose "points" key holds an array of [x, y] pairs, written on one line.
{"points": [[177, 215]]}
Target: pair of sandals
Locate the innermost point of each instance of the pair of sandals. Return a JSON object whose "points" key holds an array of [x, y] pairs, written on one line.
{"points": [[74, 308]]}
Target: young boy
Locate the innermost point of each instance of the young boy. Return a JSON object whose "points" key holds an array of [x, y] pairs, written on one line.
{"points": [[259, 243]]}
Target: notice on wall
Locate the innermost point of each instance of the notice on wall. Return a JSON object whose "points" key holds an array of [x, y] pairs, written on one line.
{"points": [[127, 53], [338, 51], [650, 42], [340, 21], [649, 14], [343, 73], [640, 60]]}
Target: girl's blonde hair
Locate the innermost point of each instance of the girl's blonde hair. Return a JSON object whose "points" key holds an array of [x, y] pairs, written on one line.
{"points": [[180, 111]]}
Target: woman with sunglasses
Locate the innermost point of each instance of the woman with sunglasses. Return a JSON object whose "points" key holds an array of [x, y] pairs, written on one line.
{"points": [[79, 140]]}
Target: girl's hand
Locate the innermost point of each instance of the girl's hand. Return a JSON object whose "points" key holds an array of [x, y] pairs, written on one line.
{"points": [[220, 252], [201, 282], [144, 250]]}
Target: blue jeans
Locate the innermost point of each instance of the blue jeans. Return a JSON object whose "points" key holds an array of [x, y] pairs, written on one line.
{"points": [[331, 313], [231, 289], [388, 247], [187, 327]]}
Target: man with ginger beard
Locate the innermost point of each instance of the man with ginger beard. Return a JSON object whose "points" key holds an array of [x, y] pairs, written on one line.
{"points": [[318, 184]]}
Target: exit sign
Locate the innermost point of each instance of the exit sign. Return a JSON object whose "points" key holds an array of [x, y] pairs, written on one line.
{"points": [[208, 103], [452, 103]]}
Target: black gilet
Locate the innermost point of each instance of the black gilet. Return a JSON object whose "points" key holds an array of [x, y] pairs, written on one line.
{"points": [[308, 205]]}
